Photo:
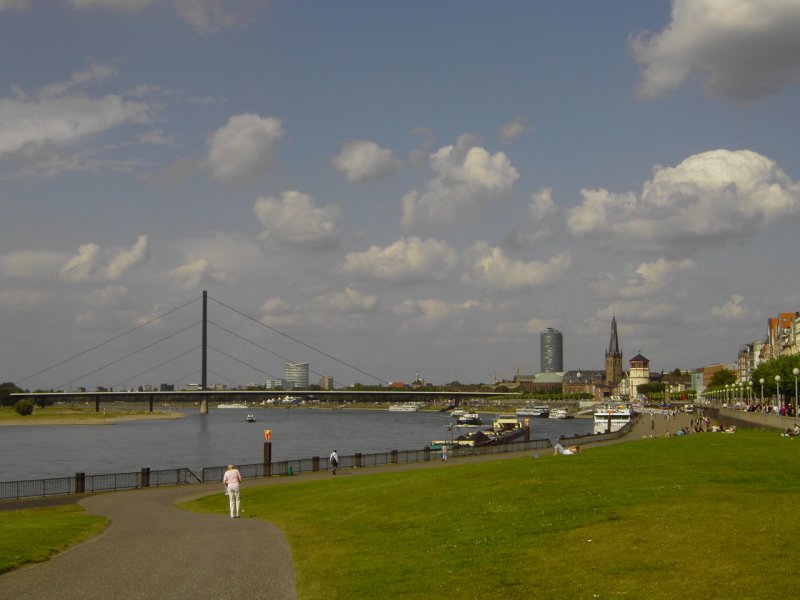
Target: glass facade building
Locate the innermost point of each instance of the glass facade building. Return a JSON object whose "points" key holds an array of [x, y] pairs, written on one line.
{"points": [[551, 351], [296, 375]]}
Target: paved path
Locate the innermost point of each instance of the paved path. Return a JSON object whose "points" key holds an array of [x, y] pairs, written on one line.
{"points": [[154, 550]]}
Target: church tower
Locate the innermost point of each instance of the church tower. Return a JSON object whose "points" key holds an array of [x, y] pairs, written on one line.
{"points": [[613, 357]]}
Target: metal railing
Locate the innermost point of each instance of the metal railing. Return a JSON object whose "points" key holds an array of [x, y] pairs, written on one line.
{"points": [[81, 483]]}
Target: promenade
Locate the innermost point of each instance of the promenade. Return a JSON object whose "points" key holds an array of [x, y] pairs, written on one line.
{"points": [[154, 550]]}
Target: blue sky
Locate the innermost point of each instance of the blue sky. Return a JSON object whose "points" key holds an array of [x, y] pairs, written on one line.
{"points": [[409, 186]]}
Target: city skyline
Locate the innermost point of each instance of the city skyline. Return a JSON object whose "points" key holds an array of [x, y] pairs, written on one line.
{"points": [[410, 187]]}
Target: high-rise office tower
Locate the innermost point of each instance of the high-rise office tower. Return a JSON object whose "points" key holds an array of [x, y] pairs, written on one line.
{"points": [[296, 375], [551, 351]]}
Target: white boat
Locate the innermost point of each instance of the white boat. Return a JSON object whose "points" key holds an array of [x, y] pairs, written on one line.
{"points": [[560, 413], [250, 418], [232, 405], [534, 411], [459, 412], [469, 420], [405, 407], [611, 418]]}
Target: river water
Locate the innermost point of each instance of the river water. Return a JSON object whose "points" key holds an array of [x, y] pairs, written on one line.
{"points": [[223, 436]]}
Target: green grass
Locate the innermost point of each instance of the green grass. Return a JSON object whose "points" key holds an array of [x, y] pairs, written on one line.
{"points": [[36, 534], [77, 414], [703, 516]]}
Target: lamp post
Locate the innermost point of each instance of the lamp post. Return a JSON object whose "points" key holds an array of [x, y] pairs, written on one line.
{"points": [[795, 372], [778, 390], [727, 390], [761, 381], [750, 393]]}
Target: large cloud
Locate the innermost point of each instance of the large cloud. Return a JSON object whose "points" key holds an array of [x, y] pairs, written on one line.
{"points": [[62, 120], [200, 272], [404, 261], [536, 222], [491, 268], [95, 263], [468, 177], [746, 50], [648, 280], [32, 264], [707, 199], [365, 161], [295, 219], [242, 149]]}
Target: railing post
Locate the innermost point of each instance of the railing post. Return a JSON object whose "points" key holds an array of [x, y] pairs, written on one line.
{"points": [[80, 483], [145, 477], [267, 459], [427, 453], [394, 457], [357, 460], [315, 463]]}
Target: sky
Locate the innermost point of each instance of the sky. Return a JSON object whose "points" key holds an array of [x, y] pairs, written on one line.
{"points": [[382, 189]]}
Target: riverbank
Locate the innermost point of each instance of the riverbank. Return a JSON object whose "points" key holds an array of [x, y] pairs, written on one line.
{"points": [[55, 416]]}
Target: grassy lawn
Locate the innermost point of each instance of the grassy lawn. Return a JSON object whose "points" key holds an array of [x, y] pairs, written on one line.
{"points": [[702, 516], [36, 534]]}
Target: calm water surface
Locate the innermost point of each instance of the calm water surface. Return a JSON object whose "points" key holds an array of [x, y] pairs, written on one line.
{"points": [[223, 436]]}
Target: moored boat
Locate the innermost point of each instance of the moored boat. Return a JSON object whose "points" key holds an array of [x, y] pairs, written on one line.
{"points": [[560, 413], [611, 418], [232, 405], [469, 419], [405, 407], [534, 411], [250, 418]]}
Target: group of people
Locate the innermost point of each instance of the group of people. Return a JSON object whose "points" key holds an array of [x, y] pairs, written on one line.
{"points": [[232, 481]]}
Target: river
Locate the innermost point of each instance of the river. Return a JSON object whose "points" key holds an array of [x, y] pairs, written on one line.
{"points": [[223, 436]]}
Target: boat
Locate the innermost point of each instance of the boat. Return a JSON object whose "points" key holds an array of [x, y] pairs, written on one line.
{"points": [[250, 418], [232, 405], [459, 412], [611, 418], [405, 407], [560, 413], [505, 429], [534, 411], [469, 420]]}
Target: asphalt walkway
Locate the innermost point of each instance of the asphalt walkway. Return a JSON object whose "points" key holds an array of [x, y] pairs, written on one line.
{"points": [[154, 550]]}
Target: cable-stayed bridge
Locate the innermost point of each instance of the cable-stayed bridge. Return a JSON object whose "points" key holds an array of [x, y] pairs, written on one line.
{"points": [[152, 357]]}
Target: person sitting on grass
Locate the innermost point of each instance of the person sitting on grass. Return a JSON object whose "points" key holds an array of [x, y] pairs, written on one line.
{"points": [[559, 449]]}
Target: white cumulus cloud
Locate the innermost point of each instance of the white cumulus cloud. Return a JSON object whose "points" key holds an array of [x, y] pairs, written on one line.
{"points": [[295, 219], [362, 161], [95, 263], [350, 301], [409, 260], [242, 149], [510, 131], [32, 264], [732, 310], [708, 199], [536, 222], [491, 268], [468, 177], [744, 49], [434, 310]]}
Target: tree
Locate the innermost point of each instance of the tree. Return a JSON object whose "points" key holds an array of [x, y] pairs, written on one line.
{"points": [[767, 371], [23, 407], [721, 378], [6, 389]]}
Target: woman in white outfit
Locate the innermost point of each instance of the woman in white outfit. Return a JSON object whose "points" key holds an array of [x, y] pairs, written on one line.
{"points": [[232, 481]]}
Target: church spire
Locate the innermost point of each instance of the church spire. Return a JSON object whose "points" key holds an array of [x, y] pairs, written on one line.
{"points": [[613, 345]]}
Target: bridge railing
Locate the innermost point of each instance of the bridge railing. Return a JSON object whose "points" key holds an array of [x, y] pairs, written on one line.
{"points": [[81, 483]]}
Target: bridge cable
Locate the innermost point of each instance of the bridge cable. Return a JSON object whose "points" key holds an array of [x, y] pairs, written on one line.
{"points": [[157, 366], [113, 362], [278, 331], [116, 337], [243, 362]]}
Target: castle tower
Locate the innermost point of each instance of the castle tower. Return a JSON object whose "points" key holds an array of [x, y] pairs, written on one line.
{"points": [[613, 357]]}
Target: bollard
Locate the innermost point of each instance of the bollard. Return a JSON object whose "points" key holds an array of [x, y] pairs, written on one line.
{"points": [[290, 471], [394, 457], [427, 453], [145, 477], [80, 483], [315, 463], [267, 459], [357, 460]]}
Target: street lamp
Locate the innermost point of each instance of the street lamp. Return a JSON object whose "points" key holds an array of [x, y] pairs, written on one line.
{"points": [[795, 372], [778, 390], [727, 388], [750, 393], [761, 381]]}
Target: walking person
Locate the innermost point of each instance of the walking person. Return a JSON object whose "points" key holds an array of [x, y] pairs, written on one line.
{"points": [[444, 452], [232, 481], [334, 460]]}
